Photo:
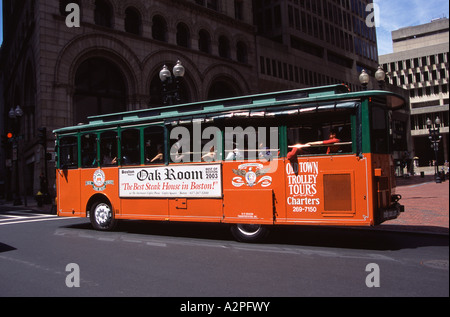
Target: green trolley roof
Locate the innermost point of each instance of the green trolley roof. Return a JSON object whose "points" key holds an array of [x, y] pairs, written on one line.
{"points": [[262, 105]]}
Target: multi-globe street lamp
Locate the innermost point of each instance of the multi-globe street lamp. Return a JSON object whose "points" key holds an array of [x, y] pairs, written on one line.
{"points": [[171, 83], [380, 76], [16, 114], [435, 138]]}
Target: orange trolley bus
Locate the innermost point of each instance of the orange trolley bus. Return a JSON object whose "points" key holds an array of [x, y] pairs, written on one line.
{"points": [[318, 156]]}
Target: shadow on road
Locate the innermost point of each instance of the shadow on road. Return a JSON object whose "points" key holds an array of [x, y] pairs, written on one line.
{"points": [[6, 248], [356, 238], [331, 237]]}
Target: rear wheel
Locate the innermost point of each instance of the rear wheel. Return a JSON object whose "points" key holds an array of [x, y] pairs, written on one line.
{"points": [[102, 216], [249, 232]]}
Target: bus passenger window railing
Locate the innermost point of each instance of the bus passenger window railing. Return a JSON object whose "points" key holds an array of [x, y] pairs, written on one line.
{"points": [[262, 153]]}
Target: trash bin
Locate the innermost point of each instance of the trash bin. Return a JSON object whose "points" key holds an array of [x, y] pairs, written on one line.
{"points": [[422, 174]]}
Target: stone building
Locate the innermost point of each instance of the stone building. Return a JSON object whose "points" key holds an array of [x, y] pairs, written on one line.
{"points": [[420, 64], [59, 72]]}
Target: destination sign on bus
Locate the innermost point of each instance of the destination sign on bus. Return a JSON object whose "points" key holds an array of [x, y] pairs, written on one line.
{"points": [[194, 181]]}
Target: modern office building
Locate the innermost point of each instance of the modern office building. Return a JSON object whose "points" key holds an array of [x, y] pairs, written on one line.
{"points": [[420, 64], [63, 63], [313, 42]]}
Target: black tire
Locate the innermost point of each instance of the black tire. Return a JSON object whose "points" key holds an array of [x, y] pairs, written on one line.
{"points": [[101, 216], [249, 233]]}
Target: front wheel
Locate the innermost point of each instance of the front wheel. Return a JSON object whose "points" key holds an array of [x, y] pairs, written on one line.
{"points": [[102, 217], [249, 233]]}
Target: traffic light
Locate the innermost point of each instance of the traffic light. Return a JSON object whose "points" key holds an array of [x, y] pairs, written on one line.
{"points": [[7, 139], [42, 136]]}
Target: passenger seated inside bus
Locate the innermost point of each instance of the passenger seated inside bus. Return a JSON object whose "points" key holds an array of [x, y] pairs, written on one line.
{"points": [[298, 149], [234, 154], [210, 156], [264, 152], [331, 140], [108, 160], [159, 158], [153, 145]]}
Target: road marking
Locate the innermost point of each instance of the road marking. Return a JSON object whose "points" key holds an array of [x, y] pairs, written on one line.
{"points": [[9, 216], [26, 218]]}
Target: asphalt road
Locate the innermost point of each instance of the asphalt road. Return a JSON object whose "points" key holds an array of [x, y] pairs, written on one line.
{"points": [[42, 255]]}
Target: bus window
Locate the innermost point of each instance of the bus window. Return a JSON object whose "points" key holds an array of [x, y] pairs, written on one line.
{"points": [[108, 148], [196, 143], [380, 133], [68, 152], [258, 142], [89, 150], [130, 145], [154, 145], [399, 135], [323, 134], [180, 147], [268, 147], [211, 145]]}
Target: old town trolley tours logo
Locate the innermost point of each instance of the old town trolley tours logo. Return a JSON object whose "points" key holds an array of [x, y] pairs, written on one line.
{"points": [[99, 181], [247, 174]]}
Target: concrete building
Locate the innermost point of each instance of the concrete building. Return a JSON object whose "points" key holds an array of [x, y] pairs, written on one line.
{"points": [[60, 72], [420, 64]]}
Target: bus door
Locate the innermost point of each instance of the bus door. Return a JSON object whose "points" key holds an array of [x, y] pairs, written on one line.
{"points": [[253, 181], [68, 177]]}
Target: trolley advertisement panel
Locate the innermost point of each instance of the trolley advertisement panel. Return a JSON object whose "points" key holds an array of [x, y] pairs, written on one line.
{"points": [[187, 181]]}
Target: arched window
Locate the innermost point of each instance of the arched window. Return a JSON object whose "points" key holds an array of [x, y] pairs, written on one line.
{"points": [[223, 88], [100, 88], [159, 30], [224, 47], [103, 13], [204, 42], [133, 21], [241, 52], [183, 35]]}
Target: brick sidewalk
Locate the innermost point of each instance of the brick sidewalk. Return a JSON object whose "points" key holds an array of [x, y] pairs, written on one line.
{"points": [[426, 205]]}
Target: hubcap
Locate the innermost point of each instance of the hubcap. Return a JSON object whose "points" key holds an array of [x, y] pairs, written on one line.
{"points": [[102, 214]]}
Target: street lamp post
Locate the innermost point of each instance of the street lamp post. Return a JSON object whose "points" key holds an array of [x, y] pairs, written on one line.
{"points": [[171, 83], [435, 138], [380, 76], [364, 79], [16, 114]]}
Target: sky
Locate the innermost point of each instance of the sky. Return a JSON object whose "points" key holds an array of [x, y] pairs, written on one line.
{"points": [[393, 15], [396, 14]]}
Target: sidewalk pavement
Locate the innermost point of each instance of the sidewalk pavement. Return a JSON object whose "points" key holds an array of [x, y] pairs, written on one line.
{"points": [[426, 206]]}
